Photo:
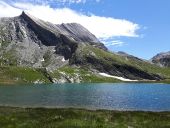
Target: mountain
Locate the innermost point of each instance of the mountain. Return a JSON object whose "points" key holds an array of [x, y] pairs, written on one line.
{"points": [[162, 59], [28, 41], [32, 50], [121, 53]]}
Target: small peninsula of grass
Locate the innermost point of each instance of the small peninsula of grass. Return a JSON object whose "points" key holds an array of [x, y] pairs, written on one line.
{"points": [[11, 117]]}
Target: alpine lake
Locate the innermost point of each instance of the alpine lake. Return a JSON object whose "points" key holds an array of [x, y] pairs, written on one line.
{"points": [[123, 96], [85, 105]]}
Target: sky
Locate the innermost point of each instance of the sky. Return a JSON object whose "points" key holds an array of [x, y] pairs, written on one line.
{"points": [[137, 27]]}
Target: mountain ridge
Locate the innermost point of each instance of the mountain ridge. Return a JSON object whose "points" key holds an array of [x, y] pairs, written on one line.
{"points": [[24, 28], [66, 52]]}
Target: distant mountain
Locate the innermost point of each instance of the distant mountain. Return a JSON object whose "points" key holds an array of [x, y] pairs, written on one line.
{"points": [[162, 59], [32, 50], [121, 53]]}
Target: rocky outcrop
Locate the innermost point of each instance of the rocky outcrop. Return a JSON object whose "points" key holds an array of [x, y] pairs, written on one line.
{"points": [[162, 59]]}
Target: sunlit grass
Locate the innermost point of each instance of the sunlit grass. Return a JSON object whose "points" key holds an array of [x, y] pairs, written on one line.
{"points": [[77, 118]]}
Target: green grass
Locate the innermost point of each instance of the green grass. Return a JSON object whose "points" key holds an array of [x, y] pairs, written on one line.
{"points": [[78, 118], [83, 74], [13, 75], [166, 81], [10, 73], [8, 58], [20, 75], [108, 58]]}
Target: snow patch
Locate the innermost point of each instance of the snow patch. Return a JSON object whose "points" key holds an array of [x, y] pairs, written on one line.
{"points": [[63, 60], [116, 77], [42, 60], [54, 50]]}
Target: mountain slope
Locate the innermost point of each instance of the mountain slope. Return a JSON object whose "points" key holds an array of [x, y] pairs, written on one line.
{"points": [[116, 65], [162, 59], [28, 41], [66, 53]]}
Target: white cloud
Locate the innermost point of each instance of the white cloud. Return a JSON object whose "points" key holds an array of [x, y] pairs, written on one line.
{"points": [[102, 27], [69, 1], [57, 2], [114, 43], [7, 10]]}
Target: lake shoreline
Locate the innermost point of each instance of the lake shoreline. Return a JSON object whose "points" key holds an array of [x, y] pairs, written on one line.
{"points": [[69, 117], [122, 82], [82, 108]]}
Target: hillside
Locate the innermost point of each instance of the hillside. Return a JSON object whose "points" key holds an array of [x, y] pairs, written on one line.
{"points": [[35, 51]]}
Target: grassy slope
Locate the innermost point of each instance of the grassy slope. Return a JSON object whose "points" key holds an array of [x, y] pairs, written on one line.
{"points": [[19, 75], [76, 118], [12, 75], [84, 75], [142, 65]]}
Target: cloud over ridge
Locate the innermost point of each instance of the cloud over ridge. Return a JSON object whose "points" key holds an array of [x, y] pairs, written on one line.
{"points": [[102, 27]]}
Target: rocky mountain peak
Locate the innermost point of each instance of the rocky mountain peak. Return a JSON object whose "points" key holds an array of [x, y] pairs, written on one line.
{"points": [[162, 59], [24, 14], [73, 30], [36, 43], [162, 55]]}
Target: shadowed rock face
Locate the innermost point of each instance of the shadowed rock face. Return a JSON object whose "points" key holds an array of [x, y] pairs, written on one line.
{"points": [[50, 33], [162, 59], [35, 43]]}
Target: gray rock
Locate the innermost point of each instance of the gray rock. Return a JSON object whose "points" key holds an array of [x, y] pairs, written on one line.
{"points": [[162, 59], [28, 41]]}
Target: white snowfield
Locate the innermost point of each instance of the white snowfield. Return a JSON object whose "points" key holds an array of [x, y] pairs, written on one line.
{"points": [[116, 77]]}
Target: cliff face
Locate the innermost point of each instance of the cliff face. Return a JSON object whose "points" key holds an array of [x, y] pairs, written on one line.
{"points": [[30, 42]]}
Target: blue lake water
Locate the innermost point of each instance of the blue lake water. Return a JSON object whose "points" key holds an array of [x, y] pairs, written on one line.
{"points": [[146, 97]]}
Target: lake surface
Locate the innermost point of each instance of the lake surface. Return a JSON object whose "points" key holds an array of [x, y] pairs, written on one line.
{"points": [[146, 97]]}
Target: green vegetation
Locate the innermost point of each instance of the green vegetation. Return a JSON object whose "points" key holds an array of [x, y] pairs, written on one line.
{"points": [[8, 58], [10, 73], [166, 81], [3, 44], [108, 58], [13, 75], [81, 73], [77, 118], [19, 75]]}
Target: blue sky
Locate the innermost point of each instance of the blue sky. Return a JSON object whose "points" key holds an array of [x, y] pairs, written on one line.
{"points": [[138, 27]]}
